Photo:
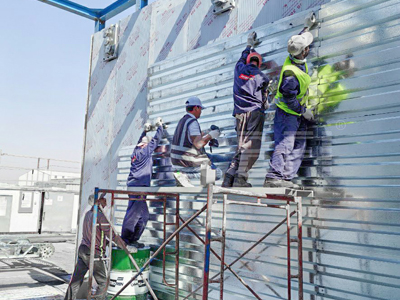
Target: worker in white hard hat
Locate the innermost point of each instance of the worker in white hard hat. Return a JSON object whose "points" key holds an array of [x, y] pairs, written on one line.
{"points": [[250, 102], [291, 113], [187, 149], [82, 266]]}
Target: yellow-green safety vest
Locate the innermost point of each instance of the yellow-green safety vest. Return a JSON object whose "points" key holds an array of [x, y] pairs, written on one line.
{"points": [[304, 81]]}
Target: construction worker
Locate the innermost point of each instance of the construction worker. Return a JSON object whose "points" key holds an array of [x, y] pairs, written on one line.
{"points": [[291, 114], [82, 266], [250, 103], [137, 213], [187, 149]]}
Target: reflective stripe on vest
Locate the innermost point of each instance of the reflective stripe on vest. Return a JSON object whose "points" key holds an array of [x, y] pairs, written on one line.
{"points": [[304, 81], [181, 154]]}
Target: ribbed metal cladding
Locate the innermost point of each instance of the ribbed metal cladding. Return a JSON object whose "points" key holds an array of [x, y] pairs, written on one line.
{"points": [[351, 243]]}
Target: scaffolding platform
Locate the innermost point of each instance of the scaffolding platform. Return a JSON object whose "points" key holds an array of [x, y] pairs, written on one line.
{"points": [[284, 199]]}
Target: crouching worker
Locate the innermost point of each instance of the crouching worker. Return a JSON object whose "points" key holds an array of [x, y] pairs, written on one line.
{"points": [[187, 149], [137, 213], [82, 266]]}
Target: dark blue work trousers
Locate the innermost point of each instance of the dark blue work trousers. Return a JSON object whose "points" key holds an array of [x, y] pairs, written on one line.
{"points": [[135, 221], [290, 143], [249, 129]]}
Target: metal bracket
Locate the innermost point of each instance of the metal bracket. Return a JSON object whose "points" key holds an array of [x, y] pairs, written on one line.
{"points": [[110, 43], [221, 6]]}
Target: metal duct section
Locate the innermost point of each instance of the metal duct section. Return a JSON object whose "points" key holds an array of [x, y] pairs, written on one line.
{"points": [[351, 244]]}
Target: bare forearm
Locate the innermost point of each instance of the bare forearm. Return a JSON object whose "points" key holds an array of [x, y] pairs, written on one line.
{"points": [[200, 141]]}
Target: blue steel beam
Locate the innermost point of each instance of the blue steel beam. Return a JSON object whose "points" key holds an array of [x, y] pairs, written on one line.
{"points": [[115, 8], [93, 14]]}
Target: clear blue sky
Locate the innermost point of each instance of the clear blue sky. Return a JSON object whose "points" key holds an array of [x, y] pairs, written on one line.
{"points": [[43, 80]]}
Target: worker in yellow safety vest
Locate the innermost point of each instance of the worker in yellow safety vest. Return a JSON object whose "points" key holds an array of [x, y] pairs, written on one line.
{"points": [[292, 114]]}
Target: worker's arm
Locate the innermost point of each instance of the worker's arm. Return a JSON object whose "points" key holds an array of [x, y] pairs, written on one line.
{"points": [[200, 141], [243, 58], [290, 88], [106, 229], [141, 136], [155, 141]]}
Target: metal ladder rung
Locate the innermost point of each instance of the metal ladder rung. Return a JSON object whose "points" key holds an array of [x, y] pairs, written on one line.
{"points": [[217, 239], [215, 281], [170, 224], [294, 276], [296, 240]]}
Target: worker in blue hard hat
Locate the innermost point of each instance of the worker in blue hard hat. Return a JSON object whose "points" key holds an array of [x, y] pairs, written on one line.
{"points": [[292, 114], [82, 265], [187, 146], [250, 102], [137, 213]]}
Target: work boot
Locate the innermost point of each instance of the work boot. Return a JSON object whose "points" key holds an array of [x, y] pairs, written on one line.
{"points": [[228, 181], [241, 181], [131, 248], [289, 184], [138, 245], [272, 182], [182, 180]]}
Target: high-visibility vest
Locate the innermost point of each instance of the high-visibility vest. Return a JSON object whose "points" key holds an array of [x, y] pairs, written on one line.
{"points": [[304, 81]]}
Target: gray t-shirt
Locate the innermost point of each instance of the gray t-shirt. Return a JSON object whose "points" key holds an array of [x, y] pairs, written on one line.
{"points": [[194, 128]]}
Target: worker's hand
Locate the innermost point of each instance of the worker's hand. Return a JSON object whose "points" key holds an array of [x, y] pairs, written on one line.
{"points": [[147, 127], [215, 133], [252, 40], [272, 86], [266, 104], [308, 115], [159, 122], [310, 21]]}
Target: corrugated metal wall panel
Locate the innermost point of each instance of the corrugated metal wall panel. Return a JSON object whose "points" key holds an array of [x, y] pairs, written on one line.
{"points": [[351, 243], [351, 247]]}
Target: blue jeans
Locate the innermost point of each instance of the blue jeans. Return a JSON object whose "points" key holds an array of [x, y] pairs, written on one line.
{"points": [[290, 142]]}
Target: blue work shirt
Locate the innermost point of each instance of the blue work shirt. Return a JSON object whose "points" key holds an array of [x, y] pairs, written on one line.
{"points": [[142, 161], [249, 86], [290, 88]]}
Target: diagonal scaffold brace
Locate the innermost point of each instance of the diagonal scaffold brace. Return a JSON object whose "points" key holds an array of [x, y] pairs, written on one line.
{"points": [[195, 215]]}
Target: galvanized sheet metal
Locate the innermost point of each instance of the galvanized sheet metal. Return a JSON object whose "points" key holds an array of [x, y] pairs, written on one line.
{"points": [[351, 244], [351, 247]]}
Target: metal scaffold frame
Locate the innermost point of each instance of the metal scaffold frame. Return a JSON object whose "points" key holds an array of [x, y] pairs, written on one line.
{"points": [[287, 196]]}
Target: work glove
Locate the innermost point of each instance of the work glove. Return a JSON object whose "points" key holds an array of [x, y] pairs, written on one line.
{"points": [[310, 21], [252, 40], [308, 115], [147, 127], [215, 133], [158, 122]]}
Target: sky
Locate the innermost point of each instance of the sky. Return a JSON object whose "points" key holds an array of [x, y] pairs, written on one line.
{"points": [[43, 83]]}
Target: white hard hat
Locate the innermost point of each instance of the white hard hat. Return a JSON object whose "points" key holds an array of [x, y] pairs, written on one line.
{"points": [[194, 101], [298, 43]]}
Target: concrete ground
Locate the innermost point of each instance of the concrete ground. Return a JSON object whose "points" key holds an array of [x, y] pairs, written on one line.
{"points": [[36, 278]]}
